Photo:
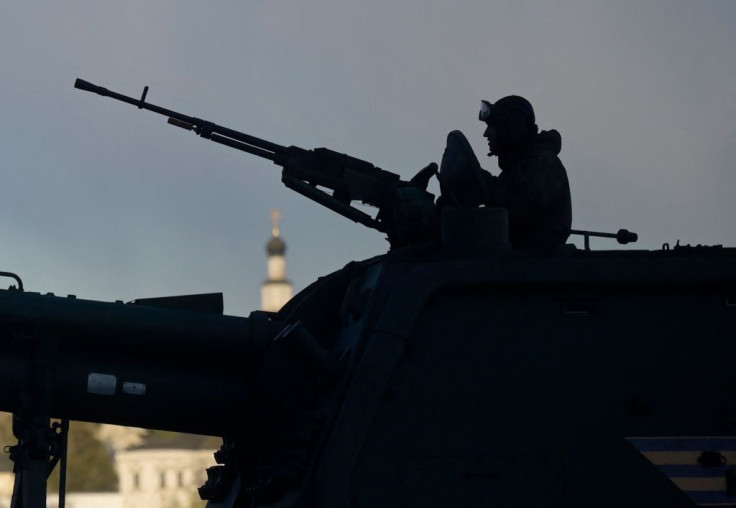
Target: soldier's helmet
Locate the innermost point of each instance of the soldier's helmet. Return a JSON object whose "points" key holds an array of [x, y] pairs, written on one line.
{"points": [[513, 116]]}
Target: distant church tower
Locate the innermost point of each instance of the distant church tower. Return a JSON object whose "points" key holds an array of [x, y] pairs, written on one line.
{"points": [[276, 290]]}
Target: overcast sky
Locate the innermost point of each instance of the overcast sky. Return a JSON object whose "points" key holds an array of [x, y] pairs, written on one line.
{"points": [[107, 202]]}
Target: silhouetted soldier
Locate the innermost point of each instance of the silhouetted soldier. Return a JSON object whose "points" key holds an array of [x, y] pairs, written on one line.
{"points": [[533, 183]]}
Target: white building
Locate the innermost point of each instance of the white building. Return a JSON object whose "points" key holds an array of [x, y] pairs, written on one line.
{"points": [[86, 500], [165, 472]]}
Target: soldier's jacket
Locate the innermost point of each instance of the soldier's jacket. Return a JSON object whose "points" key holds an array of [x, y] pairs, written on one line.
{"points": [[533, 186]]}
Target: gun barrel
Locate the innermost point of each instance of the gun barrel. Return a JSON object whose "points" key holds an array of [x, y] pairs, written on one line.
{"points": [[203, 128], [128, 364], [87, 86]]}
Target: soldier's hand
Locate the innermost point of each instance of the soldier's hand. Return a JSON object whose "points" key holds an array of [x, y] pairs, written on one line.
{"points": [[421, 179]]}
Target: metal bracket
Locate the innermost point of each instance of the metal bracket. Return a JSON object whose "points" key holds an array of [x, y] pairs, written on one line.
{"points": [[13, 276], [41, 444], [143, 97]]}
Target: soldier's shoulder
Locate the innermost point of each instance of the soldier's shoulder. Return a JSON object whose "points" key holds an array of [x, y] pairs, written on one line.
{"points": [[550, 140], [545, 161]]}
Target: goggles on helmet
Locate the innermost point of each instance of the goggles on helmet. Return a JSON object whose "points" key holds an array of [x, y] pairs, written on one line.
{"points": [[485, 111]]}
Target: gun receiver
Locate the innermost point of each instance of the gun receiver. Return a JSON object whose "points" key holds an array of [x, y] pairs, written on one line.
{"points": [[304, 171]]}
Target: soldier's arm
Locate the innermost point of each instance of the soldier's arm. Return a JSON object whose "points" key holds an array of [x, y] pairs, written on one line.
{"points": [[527, 193]]}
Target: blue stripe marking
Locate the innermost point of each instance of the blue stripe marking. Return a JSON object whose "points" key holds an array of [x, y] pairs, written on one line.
{"points": [[711, 496], [683, 444], [694, 471]]}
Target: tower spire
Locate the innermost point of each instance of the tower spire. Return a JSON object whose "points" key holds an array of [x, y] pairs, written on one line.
{"points": [[276, 290], [275, 217]]}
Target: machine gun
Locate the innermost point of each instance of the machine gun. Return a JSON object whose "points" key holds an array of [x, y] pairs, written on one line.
{"points": [[305, 171]]}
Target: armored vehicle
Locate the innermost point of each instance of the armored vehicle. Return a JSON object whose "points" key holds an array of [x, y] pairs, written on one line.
{"points": [[461, 374]]}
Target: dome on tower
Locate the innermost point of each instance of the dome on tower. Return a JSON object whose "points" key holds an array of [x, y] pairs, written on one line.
{"points": [[276, 246]]}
